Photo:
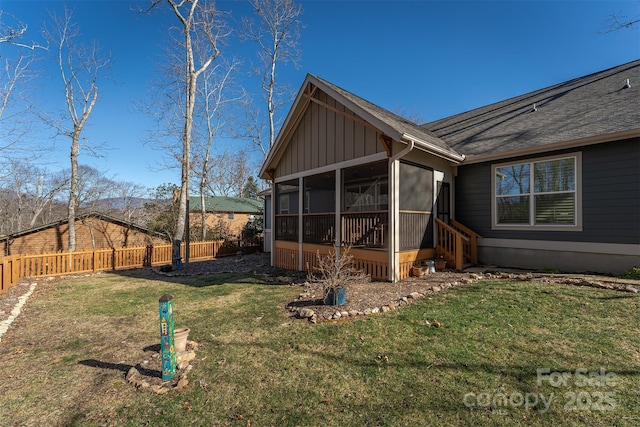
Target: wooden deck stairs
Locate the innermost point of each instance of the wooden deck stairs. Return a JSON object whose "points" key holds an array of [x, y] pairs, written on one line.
{"points": [[457, 244]]}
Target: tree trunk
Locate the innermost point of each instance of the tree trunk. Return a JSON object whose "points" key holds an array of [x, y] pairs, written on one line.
{"points": [[203, 210], [186, 151], [73, 188]]}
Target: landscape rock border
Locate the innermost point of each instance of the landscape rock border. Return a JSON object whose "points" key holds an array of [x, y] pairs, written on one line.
{"points": [[147, 374], [600, 282], [313, 317]]}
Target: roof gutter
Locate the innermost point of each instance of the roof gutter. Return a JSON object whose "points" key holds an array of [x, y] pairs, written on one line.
{"points": [[433, 149]]}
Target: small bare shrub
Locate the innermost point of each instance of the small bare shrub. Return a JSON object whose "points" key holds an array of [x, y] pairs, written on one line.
{"points": [[334, 271]]}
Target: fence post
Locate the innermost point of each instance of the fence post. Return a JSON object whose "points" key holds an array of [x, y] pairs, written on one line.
{"points": [[4, 283], [148, 255], [167, 348], [17, 270]]}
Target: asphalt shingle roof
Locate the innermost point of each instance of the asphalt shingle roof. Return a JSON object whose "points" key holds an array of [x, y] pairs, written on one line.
{"points": [[593, 105], [227, 204]]}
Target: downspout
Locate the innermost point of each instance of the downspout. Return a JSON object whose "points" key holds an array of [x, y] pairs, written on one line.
{"points": [[394, 256], [404, 151]]}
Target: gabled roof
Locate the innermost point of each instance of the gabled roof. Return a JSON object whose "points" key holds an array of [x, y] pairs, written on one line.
{"points": [[594, 108], [591, 109], [92, 214], [227, 204], [396, 127], [388, 123]]}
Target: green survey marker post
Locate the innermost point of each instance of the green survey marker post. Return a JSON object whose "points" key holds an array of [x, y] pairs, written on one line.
{"points": [[167, 349]]}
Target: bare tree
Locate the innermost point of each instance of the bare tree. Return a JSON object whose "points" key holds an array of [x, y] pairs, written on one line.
{"points": [[27, 191], [80, 69], [196, 20], [217, 94], [12, 31], [277, 35], [615, 23], [229, 172], [253, 126], [129, 198], [16, 71], [92, 187]]}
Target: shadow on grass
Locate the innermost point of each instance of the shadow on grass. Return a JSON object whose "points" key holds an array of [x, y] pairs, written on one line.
{"points": [[206, 280], [305, 303], [625, 296], [93, 363], [526, 376], [245, 269], [124, 367]]}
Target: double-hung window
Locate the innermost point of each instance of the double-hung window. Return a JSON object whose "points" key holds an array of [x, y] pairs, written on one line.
{"points": [[541, 194]]}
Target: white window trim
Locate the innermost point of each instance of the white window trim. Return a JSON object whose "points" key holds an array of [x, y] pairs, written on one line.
{"points": [[542, 227]]}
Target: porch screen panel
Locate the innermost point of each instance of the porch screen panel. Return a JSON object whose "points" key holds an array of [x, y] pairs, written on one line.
{"points": [[416, 206], [365, 205], [267, 212], [319, 208], [287, 209]]}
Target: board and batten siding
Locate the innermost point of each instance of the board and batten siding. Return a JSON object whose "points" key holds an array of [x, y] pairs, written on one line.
{"points": [[324, 137], [610, 196]]}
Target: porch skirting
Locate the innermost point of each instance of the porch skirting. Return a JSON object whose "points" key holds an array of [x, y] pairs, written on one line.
{"points": [[373, 262], [577, 257]]}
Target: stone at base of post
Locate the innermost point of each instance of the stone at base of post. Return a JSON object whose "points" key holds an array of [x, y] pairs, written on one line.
{"points": [[167, 348]]}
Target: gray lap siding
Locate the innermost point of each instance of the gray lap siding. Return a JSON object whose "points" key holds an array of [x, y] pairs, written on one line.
{"points": [[610, 196]]}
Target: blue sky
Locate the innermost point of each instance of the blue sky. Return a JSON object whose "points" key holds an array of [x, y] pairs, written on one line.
{"points": [[429, 59]]}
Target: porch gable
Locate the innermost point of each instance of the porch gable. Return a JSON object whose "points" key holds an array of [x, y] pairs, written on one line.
{"points": [[326, 133]]}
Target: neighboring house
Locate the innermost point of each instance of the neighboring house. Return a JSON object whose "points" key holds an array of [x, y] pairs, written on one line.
{"points": [[94, 230], [235, 212], [550, 179]]}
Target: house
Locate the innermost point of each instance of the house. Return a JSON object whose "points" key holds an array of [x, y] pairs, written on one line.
{"points": [[94, 230], [233, 212], [549, 179]]}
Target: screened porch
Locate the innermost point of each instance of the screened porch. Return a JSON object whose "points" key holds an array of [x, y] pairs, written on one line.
{"points": [[352, 207]]}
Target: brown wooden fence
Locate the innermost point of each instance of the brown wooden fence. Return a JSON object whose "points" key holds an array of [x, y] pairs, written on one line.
{"points": [[24, 266]]}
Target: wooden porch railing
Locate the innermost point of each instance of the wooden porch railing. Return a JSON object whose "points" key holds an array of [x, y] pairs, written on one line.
{"points": [[456, 243], [16, 267], [286, 227], [470, 250], [319, 228], [366, 229]]}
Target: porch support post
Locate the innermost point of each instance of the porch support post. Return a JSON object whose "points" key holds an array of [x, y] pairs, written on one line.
{"points": [[272, 254], [338, 209], [394, 192], [300, 220]]}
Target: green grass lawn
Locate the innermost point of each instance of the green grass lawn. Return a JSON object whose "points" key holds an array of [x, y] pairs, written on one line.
{"points": [[256, 366]]}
